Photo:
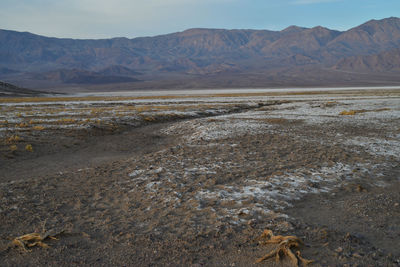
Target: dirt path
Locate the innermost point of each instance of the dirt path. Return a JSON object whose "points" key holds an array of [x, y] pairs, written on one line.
{"points": [[84, 149]]}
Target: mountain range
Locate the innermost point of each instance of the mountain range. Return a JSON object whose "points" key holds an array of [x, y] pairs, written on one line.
{"points": [[368, 54]]}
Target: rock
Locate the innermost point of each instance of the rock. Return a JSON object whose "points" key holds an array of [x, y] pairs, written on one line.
{"points": [[339, 250], [356, 255], [252, 223]]}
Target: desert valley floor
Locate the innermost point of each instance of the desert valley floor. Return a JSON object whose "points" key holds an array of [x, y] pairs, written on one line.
{"points": [[194, 179]]}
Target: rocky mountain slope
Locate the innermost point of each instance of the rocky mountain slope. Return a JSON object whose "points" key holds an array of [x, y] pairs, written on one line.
{"points": [[7, 89], [388, 61], [77, 76]]}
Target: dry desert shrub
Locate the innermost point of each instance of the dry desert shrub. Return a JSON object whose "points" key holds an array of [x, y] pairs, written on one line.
{"points": [[354, 112], [29, 148], [34, 239], [38, 128], [29, 240], [67, 120], [149, 119], [13, 139], [350, 112], [144, 108], [283, 248]]}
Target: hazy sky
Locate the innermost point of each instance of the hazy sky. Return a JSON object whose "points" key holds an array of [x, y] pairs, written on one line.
{"points": [[133, 18]]}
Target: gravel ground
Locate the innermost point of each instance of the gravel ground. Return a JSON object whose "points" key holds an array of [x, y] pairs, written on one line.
{"points": [[199, 191]]}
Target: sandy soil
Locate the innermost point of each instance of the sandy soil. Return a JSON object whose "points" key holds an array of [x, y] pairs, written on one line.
{"points": [[199, 190]]}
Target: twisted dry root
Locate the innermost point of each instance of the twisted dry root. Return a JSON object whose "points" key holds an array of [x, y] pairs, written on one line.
{"points": [[285, 244], [34, 239], [304, 261]]}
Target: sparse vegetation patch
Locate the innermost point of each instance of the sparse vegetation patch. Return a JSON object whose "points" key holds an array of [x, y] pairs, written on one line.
{"points": [[29, 148], [354, 112]]}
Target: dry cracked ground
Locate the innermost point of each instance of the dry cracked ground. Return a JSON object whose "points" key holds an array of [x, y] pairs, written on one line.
{"points": [[195, 181]]}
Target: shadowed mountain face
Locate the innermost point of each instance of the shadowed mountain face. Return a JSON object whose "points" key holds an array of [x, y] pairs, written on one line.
{"points": [[10, 90], [370, 38], [82, 77], [388, 61], [196, 52]]}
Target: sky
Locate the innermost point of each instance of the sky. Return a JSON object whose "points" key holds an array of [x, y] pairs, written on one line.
{"points": [[94, 19]]}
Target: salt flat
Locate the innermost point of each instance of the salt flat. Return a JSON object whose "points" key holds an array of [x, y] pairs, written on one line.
{"points": [[194, 179]]}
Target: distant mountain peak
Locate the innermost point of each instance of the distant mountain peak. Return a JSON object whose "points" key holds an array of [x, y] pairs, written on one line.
{"points": [[293, 28], [392, 21], [195, 31], [320, 28]]}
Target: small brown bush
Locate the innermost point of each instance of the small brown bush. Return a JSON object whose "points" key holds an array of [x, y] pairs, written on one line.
{"points": [[149, 119], [13, 138], [350, 112], [354, 112], [38, 128], [29, 148]]}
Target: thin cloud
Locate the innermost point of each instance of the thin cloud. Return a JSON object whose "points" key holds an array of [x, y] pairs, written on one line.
{"points": [[309, 2], [132, 18]]}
